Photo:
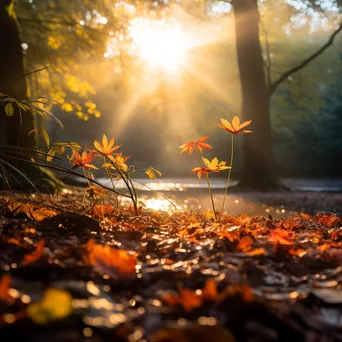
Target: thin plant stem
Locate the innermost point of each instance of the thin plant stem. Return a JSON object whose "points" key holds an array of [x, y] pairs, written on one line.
{"points": [[131, 191], [109, 175], [229, 174], [209, 187], [86, 177], [127, 181], [211, 195]]}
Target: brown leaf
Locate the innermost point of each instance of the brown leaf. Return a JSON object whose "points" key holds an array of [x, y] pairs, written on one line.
{"points": [[193, 333], [42, 213]]}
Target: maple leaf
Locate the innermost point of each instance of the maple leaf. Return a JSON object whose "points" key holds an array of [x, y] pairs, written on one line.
{"points": [[235, 127], [201, 171], [55, 304], [106, 148], [111, 261], [215, 165], [152, 173], [119, 162], [82, 160], [32, 211], [210, 166], [36, 254], [5, 283], [42, 213], [102, 210], [199, 145]]}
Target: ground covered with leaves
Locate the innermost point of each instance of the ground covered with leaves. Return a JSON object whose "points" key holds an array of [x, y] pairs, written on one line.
{"points": [[103, 274]]}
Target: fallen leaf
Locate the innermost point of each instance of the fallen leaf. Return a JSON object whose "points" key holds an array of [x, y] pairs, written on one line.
{"points": [[36, 254], [5, 283], [111, 261], [54, 305]]}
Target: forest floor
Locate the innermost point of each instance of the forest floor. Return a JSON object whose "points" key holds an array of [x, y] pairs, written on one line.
{"points": [[265, 272]]}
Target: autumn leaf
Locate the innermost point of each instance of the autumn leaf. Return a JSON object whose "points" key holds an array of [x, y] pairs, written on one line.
{"points": [[245, 244], [55, 304], [46, 136], [111, 261], [95, 190], [42, 213], [36, 254], [82, 160], [281, 237], [193, 333], [152, 173], [235, 127], [199, 145], [5, 283], [215, 165], [190, 299], [9, 109], [209, 291], [102, 210], [210, 166], [107, 147]]}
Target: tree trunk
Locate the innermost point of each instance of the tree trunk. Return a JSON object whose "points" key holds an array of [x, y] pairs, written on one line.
{"points": [[12, 80], [259, 171]]}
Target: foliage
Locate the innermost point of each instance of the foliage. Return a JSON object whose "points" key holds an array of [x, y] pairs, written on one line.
{"points": [[113, 162], [114, 262], [54, 305], [182, 268], [215, 165]]}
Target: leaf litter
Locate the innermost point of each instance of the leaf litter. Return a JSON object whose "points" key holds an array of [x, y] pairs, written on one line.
{"points": [[105, 274]]}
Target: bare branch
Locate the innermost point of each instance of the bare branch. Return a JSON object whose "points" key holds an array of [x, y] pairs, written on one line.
{"points": [[306, 61], [32, 72]]}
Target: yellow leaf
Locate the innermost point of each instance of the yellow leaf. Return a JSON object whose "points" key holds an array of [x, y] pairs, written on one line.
{"points": [[55, 304], [46, 136], [152, 173], [9, 109]]}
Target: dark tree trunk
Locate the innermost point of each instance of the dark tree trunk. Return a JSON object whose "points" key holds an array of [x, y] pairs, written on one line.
{"points": [[12, 80], [259, 166]]}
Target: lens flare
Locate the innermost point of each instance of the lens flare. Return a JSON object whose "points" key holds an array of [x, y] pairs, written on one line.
{"points": [[159, 44]]}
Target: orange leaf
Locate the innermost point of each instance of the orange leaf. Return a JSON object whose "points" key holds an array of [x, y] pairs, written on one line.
{"points": [[102, 210], [281, 237], [245, 244], [42, 213], [5, 283], [111, 261], [36, 254], [210, 289]]}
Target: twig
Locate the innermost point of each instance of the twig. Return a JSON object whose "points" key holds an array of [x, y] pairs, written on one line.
{"points": [[305, 62]]}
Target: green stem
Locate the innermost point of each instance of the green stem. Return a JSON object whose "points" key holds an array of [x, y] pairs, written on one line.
{"points": [[211, 195], [229, 174]]}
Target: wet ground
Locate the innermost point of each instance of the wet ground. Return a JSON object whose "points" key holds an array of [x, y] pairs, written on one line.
{"points": [[96, 273]]}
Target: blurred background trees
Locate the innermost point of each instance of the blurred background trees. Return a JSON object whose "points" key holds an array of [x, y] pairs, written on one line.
{"points": [[104, 60]]}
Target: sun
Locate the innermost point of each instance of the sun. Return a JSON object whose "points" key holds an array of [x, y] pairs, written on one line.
{"points": [[159, 44]]}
